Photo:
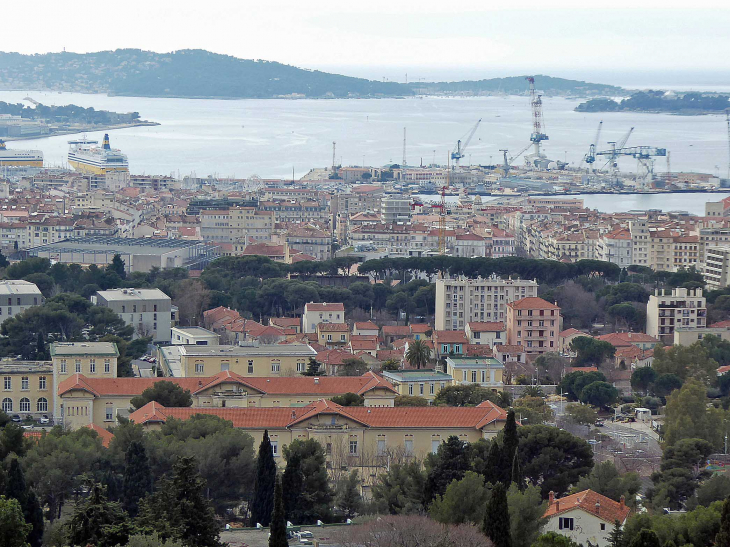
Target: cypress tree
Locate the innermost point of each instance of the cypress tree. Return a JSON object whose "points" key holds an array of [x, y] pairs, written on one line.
{"points": [[34, 517], [509, 447], [723, 536], [292, 485], [278, 538], [17, 488], [263, 500], [496, 518], [137, 477], [494, 460]]}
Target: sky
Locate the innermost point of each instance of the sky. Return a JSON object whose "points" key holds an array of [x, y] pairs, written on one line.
{"points": [[398, 39]]}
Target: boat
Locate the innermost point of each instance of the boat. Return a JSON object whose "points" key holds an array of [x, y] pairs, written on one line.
{"points": [[88, 157], [20, 158]]}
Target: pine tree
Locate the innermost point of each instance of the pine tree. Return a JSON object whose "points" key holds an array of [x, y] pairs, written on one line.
{"points": [[117, 266], [137, 477], [648, 538], [616, 537], [17, 488], [293, 482], [263, 500], [40, 350], [491, 467], [723, 536], [509, 447], [34, 517], [348, 495], [278, 538], [99, 522], [496, 518], [516, 476]]}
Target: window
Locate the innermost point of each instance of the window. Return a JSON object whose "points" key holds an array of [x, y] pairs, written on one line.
{"points": [[24, 381], [444, 348], [431, 388], [420, 389], [42, 405], [42, 382], [409, 447], [25, 404], [109, 416], [435, 445], [328, 449], [329, 337], [473, 376], [63, 366], [565, 523], [381, 447], [225, 365], [78, 366], [276, 366], [199, 368], [250, 366], [353, 447], [107, 365], [92, 366], [7, 404], [7, 383], [410, 389], [603, 526], [275, 448]]}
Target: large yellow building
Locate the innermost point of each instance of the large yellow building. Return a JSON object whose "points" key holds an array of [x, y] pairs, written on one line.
{"points": [[103, 400], [27, 388], [485, 371], [248, 361], [419, 383]]}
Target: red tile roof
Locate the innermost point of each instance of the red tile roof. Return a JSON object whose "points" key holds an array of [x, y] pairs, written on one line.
{"points": [[720, 324], [590, 502], [285, 322], [572, 332], [619, 339], [333, 327], [486, 326], [396, 330], [420, 328], [105, 435], [366, 325], [531, 303], [324, 306], [450, 337]]}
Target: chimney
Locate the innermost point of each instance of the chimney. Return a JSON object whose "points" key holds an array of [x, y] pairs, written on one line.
{"points": [[623, 501], [316, 379], [551, 498], [293, 414], [598, 508]]}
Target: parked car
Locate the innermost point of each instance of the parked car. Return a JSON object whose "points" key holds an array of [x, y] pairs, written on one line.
{"points": [[16, 418], [599, 423], [44, 420]]}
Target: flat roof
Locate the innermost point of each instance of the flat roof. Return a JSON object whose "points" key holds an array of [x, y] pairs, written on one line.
{"points": [[195, 331], [133, 294], [474, 362], [18, 286], [117, 245], [246, 351], [416, 375], [13, 366], [84, 348]]}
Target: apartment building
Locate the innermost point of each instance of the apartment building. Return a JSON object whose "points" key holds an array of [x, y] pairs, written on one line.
{"points": [[616, 247], [13, 236], [685, 252], [461, 300], [469, 246], [716, 267], [671, 308], [16, 296], [296, 210], [50, 230], [321, 312], [503, 243], [712, 236], [486, 333], [533, 323], [395, 209], [639, 230], [93, 359], [147, 310], [236, 224], [308, 240], [27, 387]]}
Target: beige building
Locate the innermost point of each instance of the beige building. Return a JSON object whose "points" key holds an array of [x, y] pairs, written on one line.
{"points": [[485, 371], [686, 336], [333, 335], [669, 309], [321, 312], [247, 361], [94, 359], [419, 383], [486, 333], [27, 387], [535, 324], [461, 300], [193, 336], [104, 400], [236, 224]]}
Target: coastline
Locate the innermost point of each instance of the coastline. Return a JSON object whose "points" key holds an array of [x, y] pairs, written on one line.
{"points": [[84, 129]]}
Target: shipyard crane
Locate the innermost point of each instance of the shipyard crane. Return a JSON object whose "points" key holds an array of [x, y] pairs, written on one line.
{"points": [[590, 157], [442, 213], [620, 145], [644, 155], [460, 149], [727, 117], [508, 161], [538, 123]]}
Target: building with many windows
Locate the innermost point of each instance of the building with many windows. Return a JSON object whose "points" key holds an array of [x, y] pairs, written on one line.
{"points": [[420, 383], [535, 324], [321, 312], [485, 371], [148, 311], [27, 387], [16, 296], [716, 267], [671, 308], [461, 300]]}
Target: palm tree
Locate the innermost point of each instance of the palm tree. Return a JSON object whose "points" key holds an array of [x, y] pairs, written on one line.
{"points": [[418, 354]]}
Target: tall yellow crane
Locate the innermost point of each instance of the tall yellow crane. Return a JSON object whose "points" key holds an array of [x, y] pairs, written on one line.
{"points": [[442, 214]]}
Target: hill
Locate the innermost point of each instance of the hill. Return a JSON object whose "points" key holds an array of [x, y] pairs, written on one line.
{"points": [[197, 73], [659, 101]]}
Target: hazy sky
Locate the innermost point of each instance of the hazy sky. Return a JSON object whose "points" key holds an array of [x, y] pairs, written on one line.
{"points": [[425, 38]]}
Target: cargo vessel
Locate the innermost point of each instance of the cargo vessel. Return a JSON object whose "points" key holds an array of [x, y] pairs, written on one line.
{"points": [[88, 157], [19, 158]]}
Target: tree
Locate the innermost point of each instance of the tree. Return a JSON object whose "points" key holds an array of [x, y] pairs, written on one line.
{"points": [[464, 395], [314, 498], [17, 488], [13, 529], [616, 537], [352, 366], [400, 491], [348, 497], [263, 497], [418, 354], [348, 399], [605, 479], [723, 536], [581, 414], [168, 394], [532, 410], [409, 400], [553, 458], [509, 449], [277, 537], [117, 266], [645, 538], [179, 509], [137, 477], [600, 394], [97, 521], [686, 362], [496, 518], [716, 488], [312, 368], [676, 480], [687, 416], [553, 539], [448, 464], [463, 502], [573, 383], [665, 384], [590, 351], [642, 378], [526, 509]]}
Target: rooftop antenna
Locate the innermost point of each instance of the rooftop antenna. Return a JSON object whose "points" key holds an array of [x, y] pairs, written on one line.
{"points": [[334, 151]]}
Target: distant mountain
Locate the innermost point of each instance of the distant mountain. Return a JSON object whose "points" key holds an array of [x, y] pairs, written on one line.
{"points": [[691, 103], [197, 73], [516, 85]]}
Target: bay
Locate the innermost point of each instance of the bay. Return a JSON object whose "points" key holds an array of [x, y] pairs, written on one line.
{"points": [[269, 138]]}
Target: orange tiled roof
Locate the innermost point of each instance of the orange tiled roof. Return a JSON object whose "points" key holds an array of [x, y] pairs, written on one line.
{"points": [[333, 327], [105, 435], [486, 326], [532, 302], [324, 306], [366, 325], [450, 337], [590, 502], [396, 330]]}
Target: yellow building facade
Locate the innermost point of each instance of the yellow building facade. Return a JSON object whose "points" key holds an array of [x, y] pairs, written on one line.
{"points": [[27, 388]]}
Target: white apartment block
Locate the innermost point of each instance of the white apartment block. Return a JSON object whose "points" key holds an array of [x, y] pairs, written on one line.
{"points": [[321, 312], [716, 267], [640, 241], [16, 296], [616, 248], [669, 309], [461, 300], [236, 224], [395, 209], [149, 311]]}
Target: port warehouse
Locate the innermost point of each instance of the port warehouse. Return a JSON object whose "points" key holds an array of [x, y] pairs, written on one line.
{"points": [[139, 254]]}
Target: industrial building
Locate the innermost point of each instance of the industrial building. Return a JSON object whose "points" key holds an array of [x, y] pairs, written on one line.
{"points": [[139, 254]]}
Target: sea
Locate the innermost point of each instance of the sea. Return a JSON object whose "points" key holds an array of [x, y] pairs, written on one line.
{"points": [[281, 138]]}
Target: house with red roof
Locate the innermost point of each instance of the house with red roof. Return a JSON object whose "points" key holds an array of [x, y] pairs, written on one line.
{"points": [[626, 339], [587, 517], [449, 342], [566, 337], [333, 335], [321, 312], [365, 328], [489, 333]]}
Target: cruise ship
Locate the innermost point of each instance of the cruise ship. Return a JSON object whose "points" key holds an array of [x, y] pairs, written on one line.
{"points": [[19, 158], [88, 157]]}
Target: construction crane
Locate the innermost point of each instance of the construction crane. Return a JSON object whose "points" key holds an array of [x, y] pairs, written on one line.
{"points": [[590, 157], [442, 214], [727, 117], [613, 158], [644, 155], [460, 149], [508, 161], [538, 123]]}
